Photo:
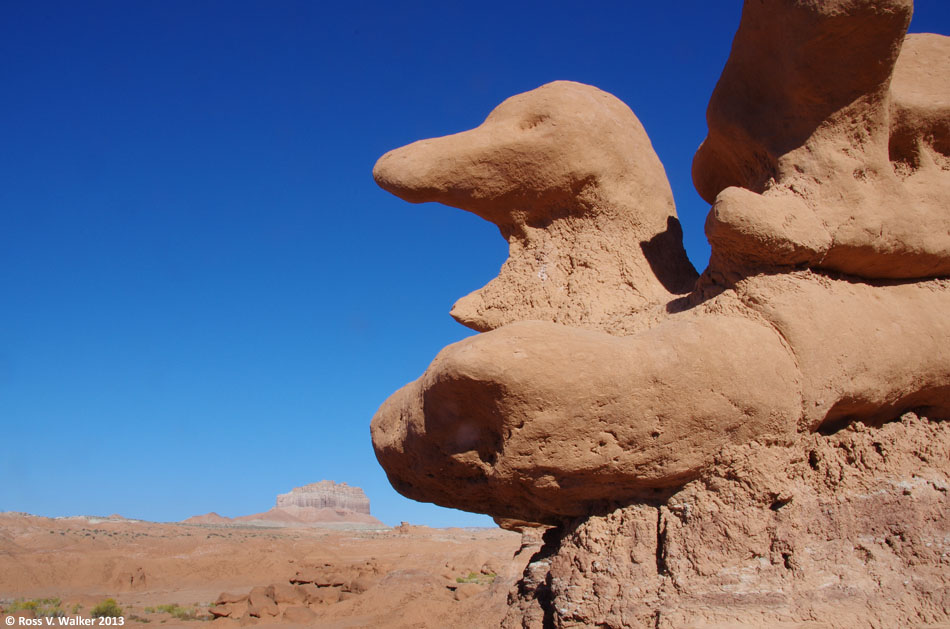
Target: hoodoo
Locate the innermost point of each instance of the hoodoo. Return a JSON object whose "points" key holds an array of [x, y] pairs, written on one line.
{"points": [[653, 418]]}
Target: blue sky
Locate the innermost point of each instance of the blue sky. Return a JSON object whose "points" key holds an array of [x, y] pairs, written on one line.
{"points": [[206, 297]]}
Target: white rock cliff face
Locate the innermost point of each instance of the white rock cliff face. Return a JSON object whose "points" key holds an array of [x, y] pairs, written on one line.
{"points": [[326, 495]]}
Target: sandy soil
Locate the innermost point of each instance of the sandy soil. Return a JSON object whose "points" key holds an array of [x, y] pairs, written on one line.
{"points": [[404, 577]]}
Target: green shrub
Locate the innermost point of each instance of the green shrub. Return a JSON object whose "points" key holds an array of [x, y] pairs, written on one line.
{"points": [[106, 608], [475, 577], [39, 606], [179, 612]]}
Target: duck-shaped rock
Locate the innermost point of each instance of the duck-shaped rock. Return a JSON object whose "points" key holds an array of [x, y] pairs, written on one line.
{"points": [[600, 378]]}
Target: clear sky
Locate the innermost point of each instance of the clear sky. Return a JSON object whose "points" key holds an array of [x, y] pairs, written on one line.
{"points": [[206, 297]]}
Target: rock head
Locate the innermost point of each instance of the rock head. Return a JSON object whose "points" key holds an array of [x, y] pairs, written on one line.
{"points": [[570, 178]]}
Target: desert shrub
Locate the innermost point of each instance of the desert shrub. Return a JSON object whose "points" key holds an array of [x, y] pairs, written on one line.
{"points": [[49, 607], [179, 612], [476, 577], [106, 608]]}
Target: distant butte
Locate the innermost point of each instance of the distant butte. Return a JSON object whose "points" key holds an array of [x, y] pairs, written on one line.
{"points": [[323, 504], [326, 495]]}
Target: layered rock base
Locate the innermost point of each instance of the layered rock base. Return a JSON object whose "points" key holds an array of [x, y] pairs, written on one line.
{"points": [[326, 494], [844, 530]]}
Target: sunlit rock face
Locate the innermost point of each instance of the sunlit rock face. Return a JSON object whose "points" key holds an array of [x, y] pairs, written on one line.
{"points": [[326, 494], [609, 382], [828, 143], [570, 178]]}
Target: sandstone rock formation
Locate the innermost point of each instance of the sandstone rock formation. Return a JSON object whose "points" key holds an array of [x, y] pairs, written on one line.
{"points": [[539, 420], [570, 178], [838, 531], [326, 494], [326, 504], [466, 590], [609, 384], [828, 155]]}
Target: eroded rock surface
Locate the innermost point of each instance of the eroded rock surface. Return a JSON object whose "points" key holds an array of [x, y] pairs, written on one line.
{"points": [[828, 143], [840, 531], [570, 178], [326, 494], [540, 420], [610, 386]]}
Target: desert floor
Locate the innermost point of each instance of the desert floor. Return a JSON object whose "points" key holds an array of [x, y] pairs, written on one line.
{"points": [[404, 577]]}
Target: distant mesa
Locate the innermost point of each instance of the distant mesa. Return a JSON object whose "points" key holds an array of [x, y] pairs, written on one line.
{"points": [[326, 495], [324, 504]]}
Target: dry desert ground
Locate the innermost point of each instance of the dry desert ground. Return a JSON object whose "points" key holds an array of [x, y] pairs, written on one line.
{"points": [[172, 574]]}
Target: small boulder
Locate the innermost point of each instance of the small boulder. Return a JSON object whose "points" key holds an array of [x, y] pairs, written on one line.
{"points": [[221, 610], [263, 611], [227, 597], [308, 591], [286, 593], [261, 595], [299, 614], [261, 602], [330, 579], [307, 575]]}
